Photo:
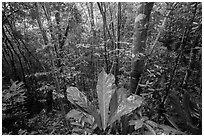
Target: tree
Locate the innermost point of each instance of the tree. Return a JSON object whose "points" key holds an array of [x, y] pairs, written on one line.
{"points": [[139, 44]]}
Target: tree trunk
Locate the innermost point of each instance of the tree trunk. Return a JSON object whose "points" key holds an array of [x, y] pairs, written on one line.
{"points": [[139, 44], [93, 40], [9, 42], [44, 34], [102, 9], [118, 45]]}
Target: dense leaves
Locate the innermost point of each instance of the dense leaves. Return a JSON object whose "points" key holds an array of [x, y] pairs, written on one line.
{"points": [[102, 68], [13, 105]]}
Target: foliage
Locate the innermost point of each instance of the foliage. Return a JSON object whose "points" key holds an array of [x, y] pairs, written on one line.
{"points": [[54, 45], [13, 110], [13, 96], [120, 105], [152, 128], [82, 123]]}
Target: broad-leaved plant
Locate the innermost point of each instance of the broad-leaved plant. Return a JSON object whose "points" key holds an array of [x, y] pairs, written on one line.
{"points": [[113, 103]]}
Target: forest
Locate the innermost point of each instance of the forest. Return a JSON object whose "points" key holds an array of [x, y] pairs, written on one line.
{"points": [[101, 68]]}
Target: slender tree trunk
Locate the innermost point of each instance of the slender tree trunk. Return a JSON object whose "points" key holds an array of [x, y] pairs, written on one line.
{"points": [[13, 37], [102, 9], [11, 57], [19, 58], [185, 37], [139, 44], [60, 44], [189, 70], [93, 37], [112, 29], [50, 26], [192, 53], [43, 32], [93, 40], [118, 45], [4, 57], [31, 54]]}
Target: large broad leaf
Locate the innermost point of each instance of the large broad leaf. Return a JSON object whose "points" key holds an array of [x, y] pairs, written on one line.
{"points": [[116, 99], [126, 106], [104, 92], [80, 100]]}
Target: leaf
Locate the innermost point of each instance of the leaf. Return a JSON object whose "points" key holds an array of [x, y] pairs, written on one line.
{"points": [[116, 99], [113, 103], [77, 130], [104, 92], [126, 106], [88, 119], [137, 123], [139, 17], [76, 124], [80, 100], [151, 130], [151, 123], [144, 118], [170, 130], [122, 94], [148, 133], [75, 114]]}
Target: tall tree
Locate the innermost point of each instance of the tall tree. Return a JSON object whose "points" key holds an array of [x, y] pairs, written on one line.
{"points": [[139, 44]]}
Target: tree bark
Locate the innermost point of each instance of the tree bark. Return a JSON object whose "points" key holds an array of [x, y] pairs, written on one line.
{"points": [[139, 44]]}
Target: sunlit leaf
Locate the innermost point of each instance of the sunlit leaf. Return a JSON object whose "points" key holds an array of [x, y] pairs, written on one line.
{"points": [[151, 123], [104, 92], [88, 119], [151, 130], [139, 17], [126, 106], [80, 100], [75, 114], [76, 124], [137, 123], [77, 97]]}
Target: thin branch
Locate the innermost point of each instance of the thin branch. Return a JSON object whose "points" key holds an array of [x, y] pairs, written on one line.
{"points": [[162, 27]]}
